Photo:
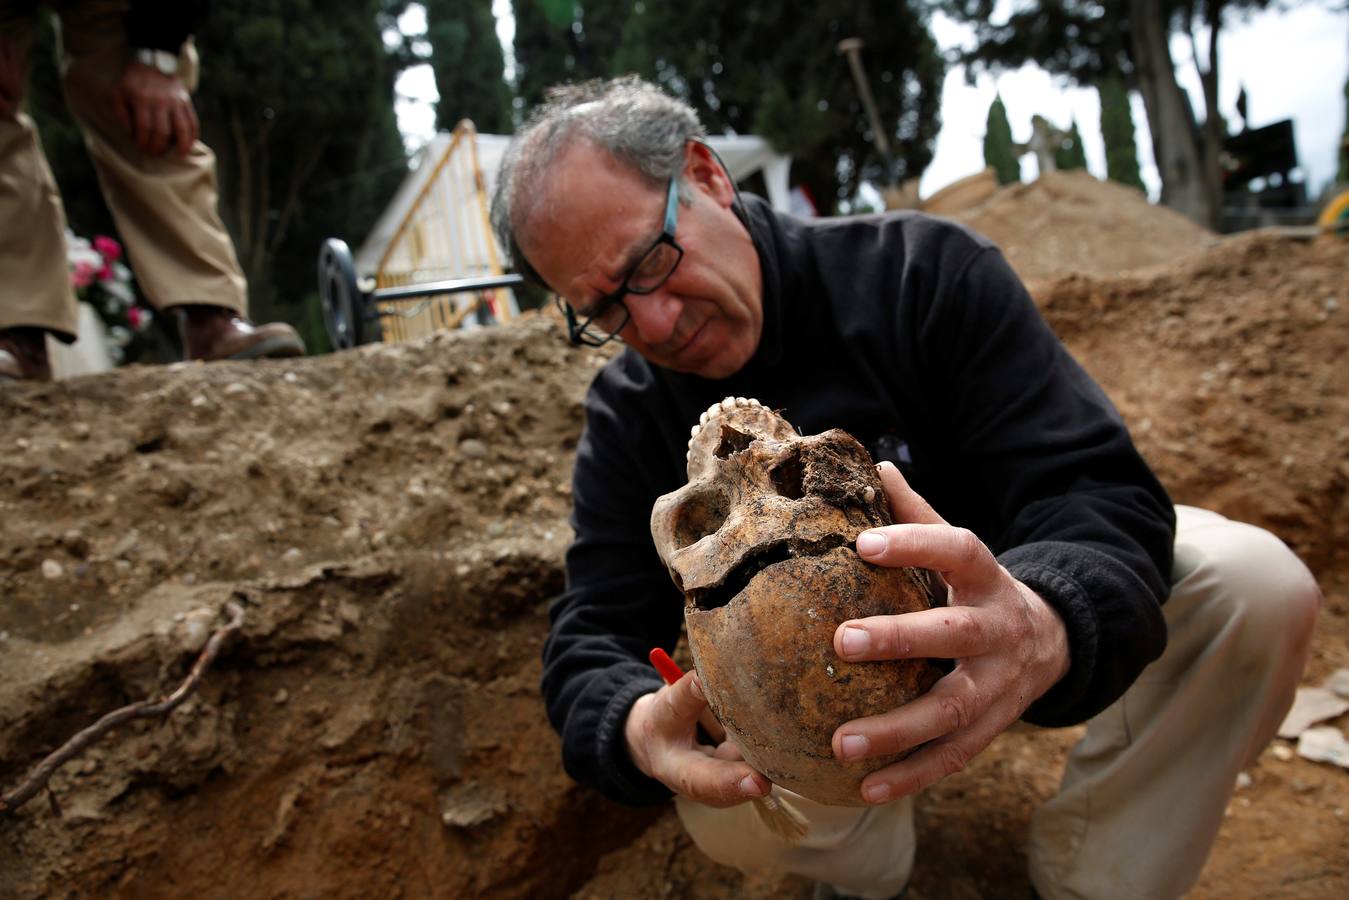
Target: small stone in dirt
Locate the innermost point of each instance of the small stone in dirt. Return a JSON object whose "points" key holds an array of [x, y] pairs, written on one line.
{"points": [[280, 697], [1282, 752], [472, 448], [292, 555], [1311, 705], [291, 378], [235, 388], [81, 430], [200, 401], [1243, 780], [1338, 683], [52, 569], [1324, 744]]}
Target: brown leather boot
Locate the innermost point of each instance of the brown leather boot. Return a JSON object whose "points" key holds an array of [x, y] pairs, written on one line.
{"points": [[23, 355], [214, 332]]}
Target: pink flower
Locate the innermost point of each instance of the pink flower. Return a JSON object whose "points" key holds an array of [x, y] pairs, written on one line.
{"points": [[108, 248], [105, 273], [83, 276], [137, 318]]}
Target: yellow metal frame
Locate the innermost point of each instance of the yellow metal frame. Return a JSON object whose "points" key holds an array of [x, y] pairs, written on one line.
{"points": [[444, 234]]}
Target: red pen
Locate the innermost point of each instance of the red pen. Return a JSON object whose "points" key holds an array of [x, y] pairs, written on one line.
{"points": [[669, 670]]}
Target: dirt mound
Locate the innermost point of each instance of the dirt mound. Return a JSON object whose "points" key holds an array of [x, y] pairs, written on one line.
{"points": [[1072, 222], [393, 521]]}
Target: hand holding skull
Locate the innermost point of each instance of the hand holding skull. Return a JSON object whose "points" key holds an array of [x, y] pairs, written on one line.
{"points": [[662, 737], [1010, 647]]}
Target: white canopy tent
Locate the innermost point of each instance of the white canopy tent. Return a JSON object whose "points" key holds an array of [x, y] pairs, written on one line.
{"points": [[743, 157]]}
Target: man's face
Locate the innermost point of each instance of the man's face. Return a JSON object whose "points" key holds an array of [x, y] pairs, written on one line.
{"points": [[596, 220]]}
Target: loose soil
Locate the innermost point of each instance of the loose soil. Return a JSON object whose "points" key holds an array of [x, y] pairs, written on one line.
{"points": [[393, 521]]}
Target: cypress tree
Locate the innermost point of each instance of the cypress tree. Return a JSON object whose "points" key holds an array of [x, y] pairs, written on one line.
{"points": [[1071, 154], [1117, 128], [998, 152], [467, 60]]}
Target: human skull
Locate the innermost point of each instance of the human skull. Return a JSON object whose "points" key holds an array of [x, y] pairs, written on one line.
{"points": [[760, 541]]}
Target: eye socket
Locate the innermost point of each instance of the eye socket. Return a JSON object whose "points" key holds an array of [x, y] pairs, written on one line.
{"points": [[698, 516]]}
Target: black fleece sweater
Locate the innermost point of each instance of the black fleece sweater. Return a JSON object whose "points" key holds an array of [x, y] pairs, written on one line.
{"points": [[914, 335]]}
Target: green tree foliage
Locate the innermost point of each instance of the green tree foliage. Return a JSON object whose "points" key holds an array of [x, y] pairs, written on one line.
{"points": [[998, 152], [466, 57], [1343, 175], [1087, 40], [1117, 130], [296, 99], [773, 68], [1071, 154]]}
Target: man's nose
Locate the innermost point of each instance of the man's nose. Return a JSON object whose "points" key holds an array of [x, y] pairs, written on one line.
{"points": [[654, 315]]}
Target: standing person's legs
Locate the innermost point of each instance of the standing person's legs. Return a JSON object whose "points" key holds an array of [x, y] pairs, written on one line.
{"points": [[36, 293], [165, 205], [1144, 792]]}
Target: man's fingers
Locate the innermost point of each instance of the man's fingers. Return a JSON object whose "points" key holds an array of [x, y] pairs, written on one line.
{"points": [[680, 704], [953, 705], [943, 632], [144, 125], [184, 129], [957, 553], [711, 781], [905, 504], [163, 129]]}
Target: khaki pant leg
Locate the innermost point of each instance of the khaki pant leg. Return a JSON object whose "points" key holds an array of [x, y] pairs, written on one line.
{"points": [[36, 287], [1144, 792], [863, 851], [165, 206]]}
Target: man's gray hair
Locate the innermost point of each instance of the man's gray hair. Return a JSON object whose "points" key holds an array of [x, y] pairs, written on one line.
{"points": [[635, 121]]}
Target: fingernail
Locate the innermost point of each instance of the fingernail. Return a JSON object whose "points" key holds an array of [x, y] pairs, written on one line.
{"points": [[853, 745], [697, 687], [749, 787], [876, 793], [869, 543], [855, 640]]}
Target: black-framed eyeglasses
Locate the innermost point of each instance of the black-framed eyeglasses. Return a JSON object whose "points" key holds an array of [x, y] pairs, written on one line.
{"points": [[601, 322]]}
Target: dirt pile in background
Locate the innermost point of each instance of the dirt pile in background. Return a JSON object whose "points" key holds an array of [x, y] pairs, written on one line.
{"points": [[393, 520], [1072, 222]]}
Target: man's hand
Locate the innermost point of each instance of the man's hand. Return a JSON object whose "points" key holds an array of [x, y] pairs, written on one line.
{"points": [[1010, 645], [156, 109], [11, 78], [662, 737]]}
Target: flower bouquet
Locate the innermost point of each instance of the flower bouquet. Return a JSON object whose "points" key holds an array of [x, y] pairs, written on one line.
{"points": [[102, 280]]}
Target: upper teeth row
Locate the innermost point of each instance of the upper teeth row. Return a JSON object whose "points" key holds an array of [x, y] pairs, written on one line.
{"points": [[717, 409]]}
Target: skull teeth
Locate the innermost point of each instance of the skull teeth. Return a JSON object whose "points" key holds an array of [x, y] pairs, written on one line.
{"points": [[715, 410]]}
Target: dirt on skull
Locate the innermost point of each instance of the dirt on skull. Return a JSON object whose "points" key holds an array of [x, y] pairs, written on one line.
{"points": [[393, 520]]}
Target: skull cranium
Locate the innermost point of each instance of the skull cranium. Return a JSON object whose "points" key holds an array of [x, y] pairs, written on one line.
{"points": [[760, 541]]}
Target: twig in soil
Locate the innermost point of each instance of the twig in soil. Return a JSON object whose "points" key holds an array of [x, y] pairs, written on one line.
{"points": [[37, 780]]}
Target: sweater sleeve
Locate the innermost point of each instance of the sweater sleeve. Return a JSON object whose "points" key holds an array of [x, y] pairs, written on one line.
{"points": [[163, 24], [1071, 508], [618, 604]]}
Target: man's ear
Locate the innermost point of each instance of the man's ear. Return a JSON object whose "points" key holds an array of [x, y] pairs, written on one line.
{"points": [[704, 173]]}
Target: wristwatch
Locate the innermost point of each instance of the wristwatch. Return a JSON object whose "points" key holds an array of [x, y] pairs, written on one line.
{"points": [[162, 60]]}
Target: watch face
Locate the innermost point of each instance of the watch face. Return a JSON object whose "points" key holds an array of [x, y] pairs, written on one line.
{"points": [[162, 60]]}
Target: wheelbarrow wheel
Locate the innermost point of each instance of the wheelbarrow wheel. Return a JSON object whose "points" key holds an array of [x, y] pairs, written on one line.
{"points": [[344, 313]]}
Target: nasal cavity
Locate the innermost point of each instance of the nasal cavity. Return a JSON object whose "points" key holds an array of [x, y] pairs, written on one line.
{"points": [[788, 476], [733, 440]]}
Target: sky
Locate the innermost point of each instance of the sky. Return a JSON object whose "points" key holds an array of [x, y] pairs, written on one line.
{"points": [[1292, 63]]}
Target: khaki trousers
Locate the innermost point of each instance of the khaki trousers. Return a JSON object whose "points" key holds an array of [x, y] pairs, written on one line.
{"points": [[164, 206], [1144, 792]]}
